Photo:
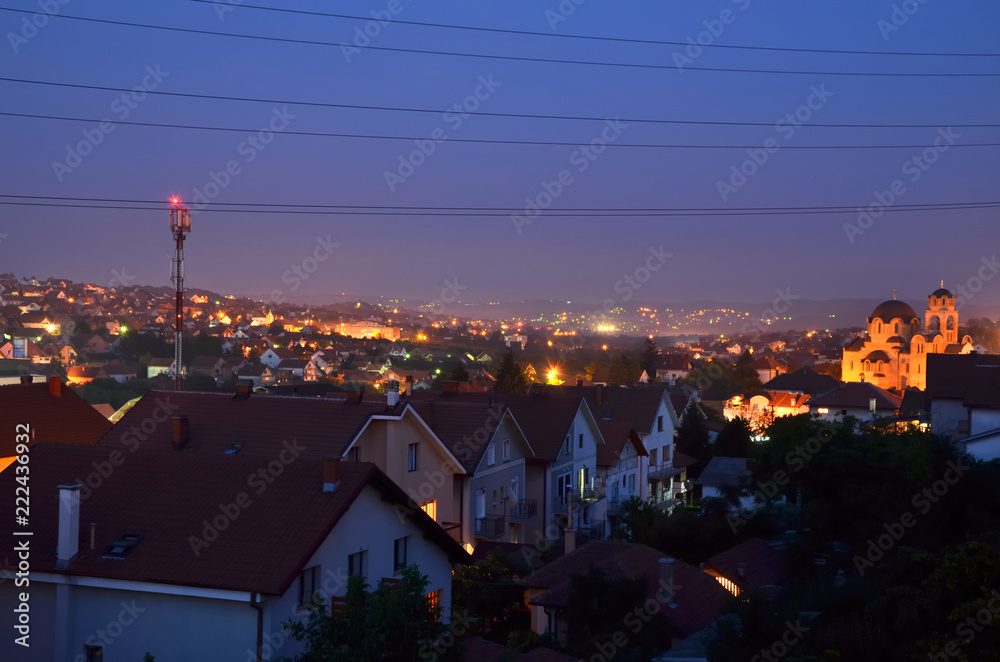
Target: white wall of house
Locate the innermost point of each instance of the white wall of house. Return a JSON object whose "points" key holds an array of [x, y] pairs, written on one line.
{"points": [[577, 459], [949, 417], [983, 420]]}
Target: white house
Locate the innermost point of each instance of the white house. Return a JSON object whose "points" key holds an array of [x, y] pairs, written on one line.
{"points": [[202, 557]]}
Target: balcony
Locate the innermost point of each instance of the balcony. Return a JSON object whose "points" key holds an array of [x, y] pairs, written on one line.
{"points": [[663, 472], [491, 526], [585, 496], [524, 510]]}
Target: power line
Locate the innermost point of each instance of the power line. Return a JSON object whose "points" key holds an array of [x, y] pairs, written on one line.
{"points": [[486, 141], [622, 213], [580, 118], [516, 58], [625, 40]]}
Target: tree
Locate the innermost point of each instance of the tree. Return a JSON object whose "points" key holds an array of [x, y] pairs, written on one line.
{"points": [[692, 437], [733, 440], [276, 328], [510, 379], [649, 357], [487, 594], [460, 374], [624, 370], [395, 622]]}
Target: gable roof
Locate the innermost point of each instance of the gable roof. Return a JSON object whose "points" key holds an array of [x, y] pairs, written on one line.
{"points": [[763, 565], [857, 395], [700, 599], [321, 426], [63, 419], [165, 497], [805, 380], [723, 471]]}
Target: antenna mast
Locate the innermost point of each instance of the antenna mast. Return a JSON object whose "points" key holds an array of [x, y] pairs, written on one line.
{"points": [[180, 226]]}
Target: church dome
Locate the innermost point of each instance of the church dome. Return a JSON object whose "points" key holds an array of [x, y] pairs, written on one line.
{"points": [[892, 309], [941, 292]]}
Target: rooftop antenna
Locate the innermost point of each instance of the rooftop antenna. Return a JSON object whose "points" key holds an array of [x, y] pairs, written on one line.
{"points": [[894, 294], [180, 225]]}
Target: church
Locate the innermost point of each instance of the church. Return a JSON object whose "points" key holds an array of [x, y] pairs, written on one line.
{"points": [[894, 356]]}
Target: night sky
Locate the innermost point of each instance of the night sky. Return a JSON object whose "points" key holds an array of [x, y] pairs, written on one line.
{"points": [[721, 258]]}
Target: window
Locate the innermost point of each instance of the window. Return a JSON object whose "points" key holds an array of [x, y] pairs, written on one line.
{"points": [[434, 601], [352, 455], [566, 447], [666, 454], [308, 584], [563, 483], [581, 441], [652, 457], [631, 482], [823, 410], [357, 563], [94, 653], [506, 449], [514, 483], [399, 553], [431, 508], [491, 455], [659, 424], [481, 503], [411, 457]]}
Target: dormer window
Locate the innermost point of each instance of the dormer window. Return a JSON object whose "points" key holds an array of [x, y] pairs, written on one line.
{"points": [[122, 547]]}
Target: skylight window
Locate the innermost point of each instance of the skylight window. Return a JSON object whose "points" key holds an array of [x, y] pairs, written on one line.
{"points": [[233, 449], [122, 547]]}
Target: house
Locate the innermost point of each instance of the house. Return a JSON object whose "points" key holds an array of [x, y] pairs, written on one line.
{"points": [[959, 387], [761, 407], [49, 412], [84, 374], [210, 366], [90, 343], [768, 368], [159, 367], [751, 564], [680, 599], [256, 373], [118, 371], [671, 367], [862, 400], [272, 357], [805, 380], [393, 436], [188, 543], [289, 369], [722, 477]]}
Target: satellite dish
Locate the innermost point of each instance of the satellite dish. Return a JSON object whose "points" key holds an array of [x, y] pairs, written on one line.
{"points": [[510, 496]]}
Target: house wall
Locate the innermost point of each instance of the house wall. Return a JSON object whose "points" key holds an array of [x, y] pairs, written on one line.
{"points": [[985, 449], [130, 623], [947, 416], [983, 420], [492, 478], [370, 524], [578, 456]]}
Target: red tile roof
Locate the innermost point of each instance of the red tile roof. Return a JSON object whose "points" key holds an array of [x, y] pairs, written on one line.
{"points": [[166, 497], [63, 419], [763, 565]]}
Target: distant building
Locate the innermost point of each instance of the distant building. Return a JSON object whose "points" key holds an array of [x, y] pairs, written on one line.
{"points": [[368, 330], [894, 356]]}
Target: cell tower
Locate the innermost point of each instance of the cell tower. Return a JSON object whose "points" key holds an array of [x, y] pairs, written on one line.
{"points": [[180, 226]]}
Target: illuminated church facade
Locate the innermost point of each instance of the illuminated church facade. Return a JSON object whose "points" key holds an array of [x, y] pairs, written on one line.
{"points": [[894, 355]]}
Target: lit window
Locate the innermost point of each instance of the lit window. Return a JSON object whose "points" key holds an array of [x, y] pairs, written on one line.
{"points": [[308, 585], [357, 563], [399, 553], [430, 507], [823, 410], [434, 601], [411, 457]]}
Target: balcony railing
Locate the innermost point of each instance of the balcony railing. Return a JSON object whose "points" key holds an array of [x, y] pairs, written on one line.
{"points": [[586, 495], [491, 526], [662, 472], [592, 531], [524, 510]]}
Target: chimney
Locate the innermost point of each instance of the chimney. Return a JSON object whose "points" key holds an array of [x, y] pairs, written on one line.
{"points": [[25, 379], [244, 388], [409, 385], [600, 393], [701, 567], [331, 474], [69, 525], [579, 382], [361, 394], [55, 386], [181, 432], [392, 394], [667, 575], [93, 534]]}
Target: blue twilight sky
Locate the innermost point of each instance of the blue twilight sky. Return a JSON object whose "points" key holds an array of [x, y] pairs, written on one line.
{"points": [[730, 258]]}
